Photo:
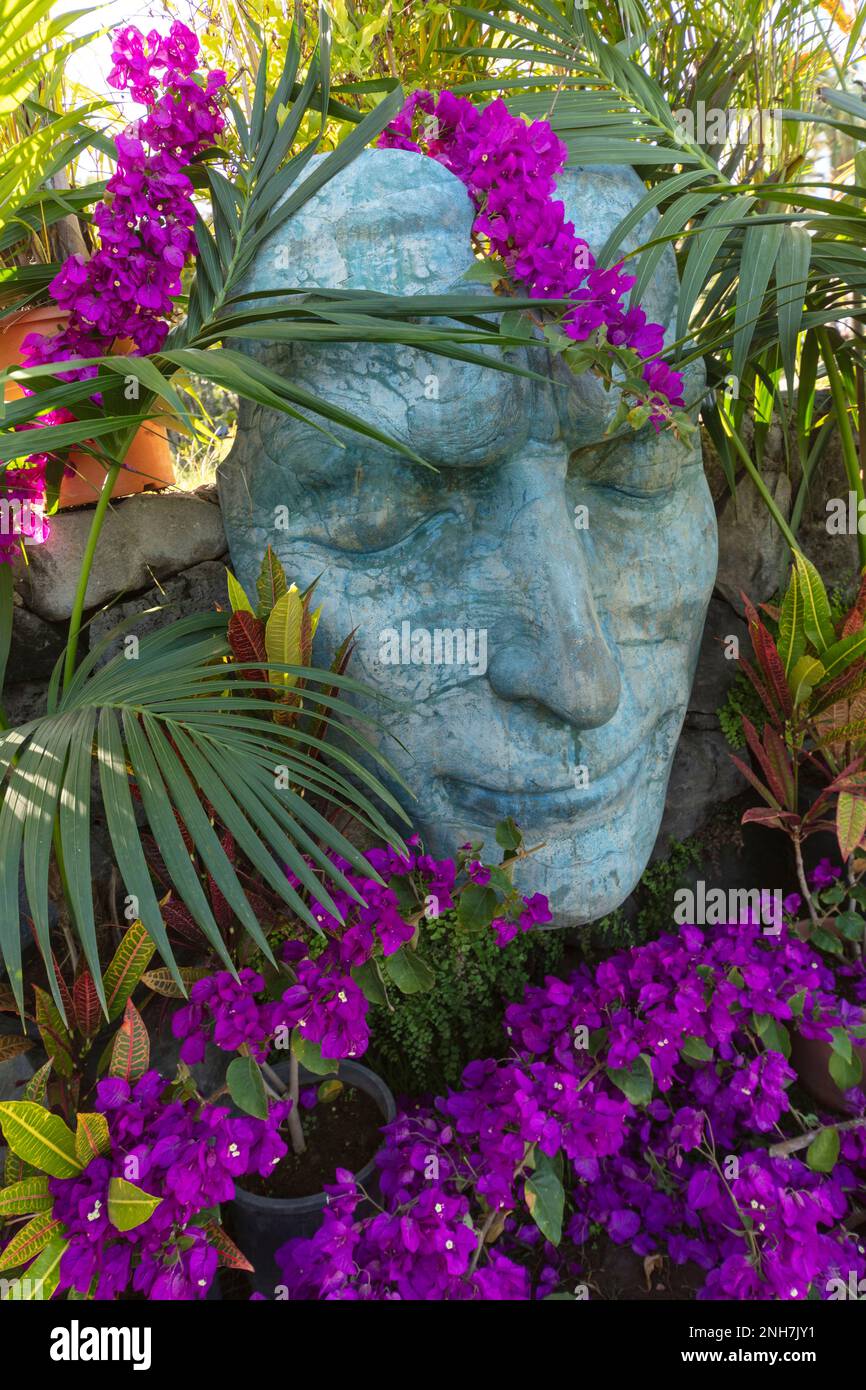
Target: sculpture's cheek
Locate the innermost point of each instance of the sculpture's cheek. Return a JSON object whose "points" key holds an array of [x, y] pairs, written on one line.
{"points": [[653, 560]]}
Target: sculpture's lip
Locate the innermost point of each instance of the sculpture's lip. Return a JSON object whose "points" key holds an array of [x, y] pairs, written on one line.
{"points": [[531, 806]]}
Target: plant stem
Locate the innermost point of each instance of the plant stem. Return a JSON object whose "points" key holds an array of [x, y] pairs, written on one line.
{"points": [[275, 1081], [846, 434], [766, 496], [296, 1134], [7, 609], [84, 575], [482, 1237], [801, 878], [802, 1141]]}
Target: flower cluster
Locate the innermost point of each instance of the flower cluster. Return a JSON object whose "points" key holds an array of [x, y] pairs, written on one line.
{"points": [[146, 222], [509, 168], [324, 1001], [426, 1252], [185, 1153], [653, 1085]]}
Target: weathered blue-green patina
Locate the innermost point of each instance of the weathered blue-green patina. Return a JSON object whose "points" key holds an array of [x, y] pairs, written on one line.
{"points": [[539, 599]]}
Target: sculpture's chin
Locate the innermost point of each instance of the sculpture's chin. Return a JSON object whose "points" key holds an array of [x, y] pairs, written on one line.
{"points": [[590, 843]]}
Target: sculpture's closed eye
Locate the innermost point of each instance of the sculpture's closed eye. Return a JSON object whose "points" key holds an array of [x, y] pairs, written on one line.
{"points": [[383, 535], [643, 471]]}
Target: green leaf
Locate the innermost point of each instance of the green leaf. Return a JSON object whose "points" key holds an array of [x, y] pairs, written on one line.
{"points": [[130, 1055], [545, 1198], [698, 1049], [92, 1137], [28, 1196], [162, 981], [773, 1034], [42, 1277], [713, 231], [247, 1088], [797, 1003], [841, 1043], [842, 654], [409, 971], [309, 1054], [127, 967], [370, 981], [39, 1138], [476, 907], [129, 1206], [846, 1074], [270, 585], [636, 1084], [823, 1152], [851, 925], [487, 272], [817, 620], [237, 598], [55, 1037], [329, 1090], [805, 674], [509, 835], [283, 636], [760, 248], [791, 639], [30, 1240], [792, 275]]}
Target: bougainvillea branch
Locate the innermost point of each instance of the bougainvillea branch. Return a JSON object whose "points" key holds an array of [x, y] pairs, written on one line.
{"points": [[509, 168], [123, 295]]}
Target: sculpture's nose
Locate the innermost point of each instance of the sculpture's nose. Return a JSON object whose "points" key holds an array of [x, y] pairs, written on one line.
{"points": [[550, 648]]}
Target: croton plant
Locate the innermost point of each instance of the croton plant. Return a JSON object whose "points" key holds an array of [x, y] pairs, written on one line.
{"points": [[809, 757]]}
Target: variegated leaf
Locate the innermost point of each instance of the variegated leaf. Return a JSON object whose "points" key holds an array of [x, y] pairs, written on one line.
{"points": [[129, 963]]}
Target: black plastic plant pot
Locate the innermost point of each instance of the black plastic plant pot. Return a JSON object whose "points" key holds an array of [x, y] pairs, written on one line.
{"points": [[260, 1225]]}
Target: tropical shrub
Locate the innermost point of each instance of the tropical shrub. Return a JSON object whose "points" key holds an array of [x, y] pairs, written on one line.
{"points": [[74, 1222], [809, 679], [645, 1097], [423, 1041], [370, 944], [90, 1006]]}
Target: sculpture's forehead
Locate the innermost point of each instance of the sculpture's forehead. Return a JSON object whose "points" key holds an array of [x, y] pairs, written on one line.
{"points": [[400, 223]]}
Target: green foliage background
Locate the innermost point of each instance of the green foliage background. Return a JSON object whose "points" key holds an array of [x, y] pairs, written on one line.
{"points": [[424, 1044]]}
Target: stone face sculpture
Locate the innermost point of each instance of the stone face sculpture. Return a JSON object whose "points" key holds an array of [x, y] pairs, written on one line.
{"points": [[538, 600]]}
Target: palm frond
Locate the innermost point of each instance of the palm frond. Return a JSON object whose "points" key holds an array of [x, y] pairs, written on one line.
{"points": [[180, 723]]}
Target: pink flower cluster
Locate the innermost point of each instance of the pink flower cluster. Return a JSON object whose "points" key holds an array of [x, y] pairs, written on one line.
{"points": [[145, 223], [631, 1087], [186, 1154], [510, 169]]}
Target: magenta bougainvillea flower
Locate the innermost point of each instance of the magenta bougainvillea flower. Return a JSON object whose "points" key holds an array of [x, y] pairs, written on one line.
{"points": [[657, 1083], [510, 167], [184, 1153], [124, 292], [324, 1002]]}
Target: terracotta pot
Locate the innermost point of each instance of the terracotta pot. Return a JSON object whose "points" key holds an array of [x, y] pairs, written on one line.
{"points": [[810, 1058], [148, 463]]}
